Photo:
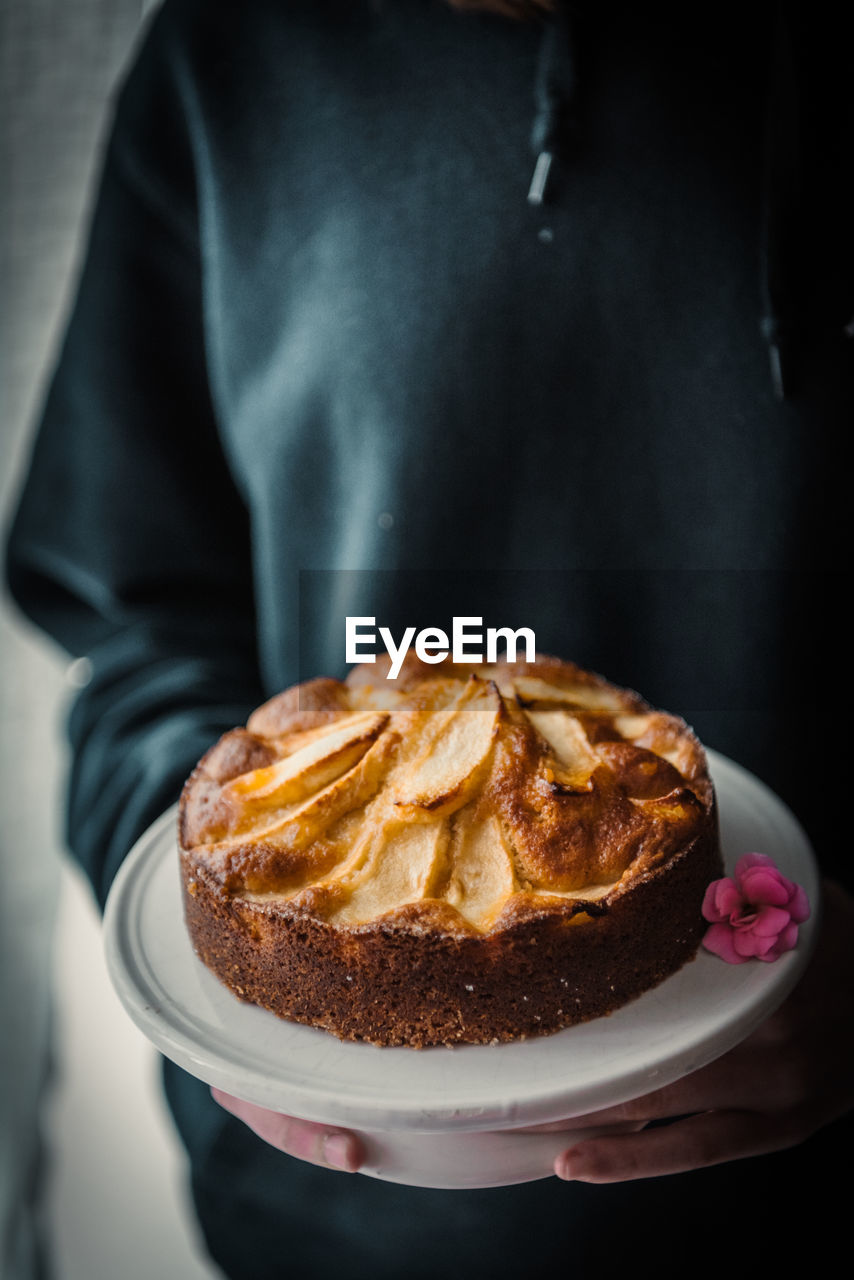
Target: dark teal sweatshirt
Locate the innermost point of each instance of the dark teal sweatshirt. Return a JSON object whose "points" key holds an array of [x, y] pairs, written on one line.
{"points": [[326, 359]]}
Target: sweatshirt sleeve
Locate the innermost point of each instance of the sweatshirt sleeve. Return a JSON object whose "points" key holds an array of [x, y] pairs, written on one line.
{"points": [[131, 545]]}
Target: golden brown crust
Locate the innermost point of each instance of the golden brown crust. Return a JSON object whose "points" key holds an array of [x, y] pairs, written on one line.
{"points": [[465, 854], [420, 978], [303, 706]]}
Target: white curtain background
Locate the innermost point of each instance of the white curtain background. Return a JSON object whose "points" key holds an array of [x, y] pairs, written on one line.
{"points": [[91, 1172]]}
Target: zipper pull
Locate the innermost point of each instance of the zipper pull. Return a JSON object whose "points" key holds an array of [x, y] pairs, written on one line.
{"points": [[540, 180]]}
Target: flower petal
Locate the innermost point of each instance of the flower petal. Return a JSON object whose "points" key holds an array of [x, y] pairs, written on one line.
{"points": [[765, 884], [709, 909], [788, 939], [728, 898], [770, 921], [718, 940], [748, 943], [721, 898], [799, 906]]}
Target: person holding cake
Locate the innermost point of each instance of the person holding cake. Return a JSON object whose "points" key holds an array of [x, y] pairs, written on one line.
{"points": [[419, 310]]}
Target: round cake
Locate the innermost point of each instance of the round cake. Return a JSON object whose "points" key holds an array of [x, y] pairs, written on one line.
{"points": [[464, 854]]}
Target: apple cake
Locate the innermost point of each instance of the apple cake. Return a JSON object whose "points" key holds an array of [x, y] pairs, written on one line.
{"points": [[465, 854]]}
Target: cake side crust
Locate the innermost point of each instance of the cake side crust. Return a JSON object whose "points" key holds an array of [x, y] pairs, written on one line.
{"points": [[393, 983]]}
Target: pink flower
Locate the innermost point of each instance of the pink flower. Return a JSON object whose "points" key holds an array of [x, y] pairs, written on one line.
{"points": [[755, 914]]}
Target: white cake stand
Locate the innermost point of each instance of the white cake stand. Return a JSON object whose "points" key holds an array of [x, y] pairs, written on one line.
{"points": [[445, 1117]]}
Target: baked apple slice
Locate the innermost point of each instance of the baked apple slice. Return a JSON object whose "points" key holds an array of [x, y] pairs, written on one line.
{"points": [[531, 690], [404, 864], [295, 826], [444, 775], [482, 875], [573, 761], [311, 767]]}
